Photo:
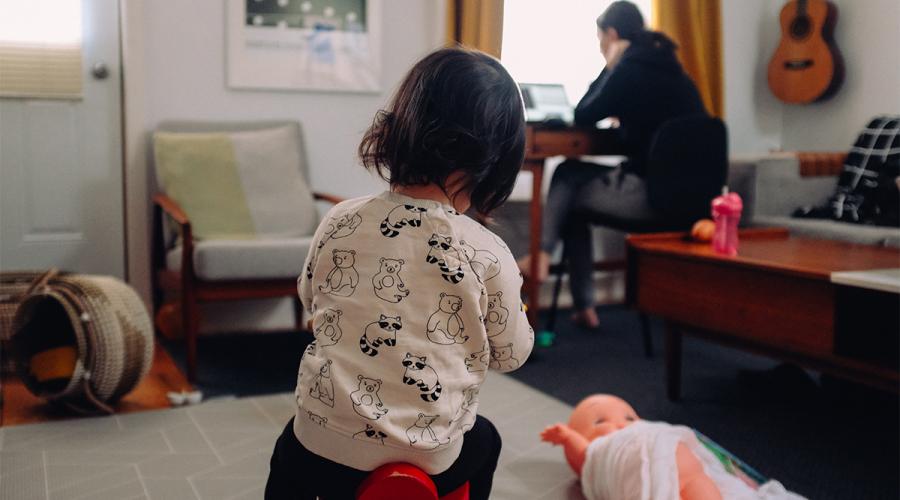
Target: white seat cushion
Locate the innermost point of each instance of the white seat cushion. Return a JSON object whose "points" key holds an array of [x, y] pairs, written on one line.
{"points": [[270, 258]]}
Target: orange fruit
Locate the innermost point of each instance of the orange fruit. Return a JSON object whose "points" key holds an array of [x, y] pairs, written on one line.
{"points": [[703, 230]]}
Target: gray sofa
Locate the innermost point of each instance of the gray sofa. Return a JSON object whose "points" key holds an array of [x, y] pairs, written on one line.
{"points": [[772, 188]]}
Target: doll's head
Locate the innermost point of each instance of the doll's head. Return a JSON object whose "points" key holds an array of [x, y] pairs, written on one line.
{"points": [[601, 414]]}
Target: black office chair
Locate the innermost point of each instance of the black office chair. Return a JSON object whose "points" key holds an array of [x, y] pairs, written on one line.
{"points": [[686, 168]]}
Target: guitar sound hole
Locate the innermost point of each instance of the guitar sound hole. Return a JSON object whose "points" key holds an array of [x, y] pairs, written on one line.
{"points": [[800, 27], [798, 64]]}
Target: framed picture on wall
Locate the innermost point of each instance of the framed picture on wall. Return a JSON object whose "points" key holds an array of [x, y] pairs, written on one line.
{"points": [[330, 45]]}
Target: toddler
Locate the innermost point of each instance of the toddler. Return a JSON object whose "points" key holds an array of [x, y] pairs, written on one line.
{"points": [[411, 301]]}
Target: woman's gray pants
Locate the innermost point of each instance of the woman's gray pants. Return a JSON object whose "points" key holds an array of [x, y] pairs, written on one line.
{"points": [[584, 194]]}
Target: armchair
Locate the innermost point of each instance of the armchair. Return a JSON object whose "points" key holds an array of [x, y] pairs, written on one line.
{"points": [[234, 219]]}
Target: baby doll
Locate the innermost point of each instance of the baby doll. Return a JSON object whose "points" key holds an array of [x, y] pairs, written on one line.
{"points": [[618, 456], [602, 415]]}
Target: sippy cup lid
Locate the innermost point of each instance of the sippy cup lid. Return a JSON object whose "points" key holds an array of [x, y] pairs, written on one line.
{"points": [[727, 203]]}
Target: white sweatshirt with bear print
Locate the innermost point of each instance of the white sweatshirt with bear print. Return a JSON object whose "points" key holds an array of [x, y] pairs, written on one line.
{"points": [[411, 303]]}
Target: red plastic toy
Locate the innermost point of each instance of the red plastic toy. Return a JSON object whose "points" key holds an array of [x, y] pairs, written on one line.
{"points": [[401, 480]]}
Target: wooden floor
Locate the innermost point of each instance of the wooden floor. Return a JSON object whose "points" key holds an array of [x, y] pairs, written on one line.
{"points": [[21, 407]]}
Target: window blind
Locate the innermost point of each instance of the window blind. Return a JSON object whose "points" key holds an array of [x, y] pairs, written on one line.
{"points": [[40, 49], [38, 70]]}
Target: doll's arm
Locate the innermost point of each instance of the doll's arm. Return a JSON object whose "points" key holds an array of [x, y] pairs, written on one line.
{"points": [[693, 482], [574, 444]]}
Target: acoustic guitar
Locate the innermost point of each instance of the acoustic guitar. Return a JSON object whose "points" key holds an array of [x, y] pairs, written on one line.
{"points": [[807, 65]]}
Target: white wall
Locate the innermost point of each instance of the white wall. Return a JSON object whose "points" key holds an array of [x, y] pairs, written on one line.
{"points": [[185, 72], [174, 55], [749, 36], [137, 178], [867, 34]]}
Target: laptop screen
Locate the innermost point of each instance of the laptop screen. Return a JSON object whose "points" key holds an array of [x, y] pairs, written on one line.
{"points": [[546, 100]]}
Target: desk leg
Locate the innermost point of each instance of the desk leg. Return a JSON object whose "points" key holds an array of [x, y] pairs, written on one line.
{"points": [[673, 361], [533, 287]]}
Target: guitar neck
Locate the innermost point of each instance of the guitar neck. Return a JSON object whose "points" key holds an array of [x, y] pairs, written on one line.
{"points": [[801, 8]]}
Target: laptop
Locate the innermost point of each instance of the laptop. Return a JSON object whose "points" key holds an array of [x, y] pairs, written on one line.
{"points": [[546, 101]]}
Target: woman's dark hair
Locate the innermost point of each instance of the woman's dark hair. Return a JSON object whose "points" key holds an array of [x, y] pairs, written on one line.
{"points": [[457, 110], [624, 17], [629, 24]]}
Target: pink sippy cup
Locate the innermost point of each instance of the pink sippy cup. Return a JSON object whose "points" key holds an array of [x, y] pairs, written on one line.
{"points": [[726, 211]]}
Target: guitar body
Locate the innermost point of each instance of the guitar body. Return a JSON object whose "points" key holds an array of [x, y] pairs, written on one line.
{"points": [[807, 65]]}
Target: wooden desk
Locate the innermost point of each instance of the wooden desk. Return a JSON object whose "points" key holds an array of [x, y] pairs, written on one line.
{"points": [[776, 297], [542, 143]]}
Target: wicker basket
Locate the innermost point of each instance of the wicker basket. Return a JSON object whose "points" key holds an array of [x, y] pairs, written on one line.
{"points": [[13, 287], [102, 319]]}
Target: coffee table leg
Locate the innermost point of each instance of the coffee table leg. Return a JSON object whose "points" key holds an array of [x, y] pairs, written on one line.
{"points": [[673, 361]]}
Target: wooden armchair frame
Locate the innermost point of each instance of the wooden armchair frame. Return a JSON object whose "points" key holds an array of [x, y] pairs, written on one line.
{"points": [[193, 290]]}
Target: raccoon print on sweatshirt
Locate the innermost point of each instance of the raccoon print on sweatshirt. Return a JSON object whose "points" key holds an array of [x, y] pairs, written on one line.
{"points": [[400, 217], [421, 375], [384, 331], [447, 257], [371, 434]]}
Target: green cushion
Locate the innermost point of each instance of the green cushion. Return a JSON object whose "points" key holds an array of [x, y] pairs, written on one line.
{"points": [[237, 185]]}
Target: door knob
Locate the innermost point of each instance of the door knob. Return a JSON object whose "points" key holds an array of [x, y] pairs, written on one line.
{"points": [[100, 71]]}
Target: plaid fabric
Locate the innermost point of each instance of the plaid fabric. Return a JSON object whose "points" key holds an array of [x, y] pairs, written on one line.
{"points": [[867, 187]]}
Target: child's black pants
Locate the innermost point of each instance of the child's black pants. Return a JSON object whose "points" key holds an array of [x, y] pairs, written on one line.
{"points": [[296, 473]]}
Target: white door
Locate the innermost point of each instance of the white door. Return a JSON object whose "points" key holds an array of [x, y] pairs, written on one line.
{"points": [[61, 193]]}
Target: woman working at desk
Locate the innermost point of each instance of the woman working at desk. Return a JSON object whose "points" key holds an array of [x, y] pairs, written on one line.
{"points": [[642, 86]]}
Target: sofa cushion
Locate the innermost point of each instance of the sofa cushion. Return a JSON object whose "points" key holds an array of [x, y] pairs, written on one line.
{"points": [[780, 188], [245, 259], [236, 185], [833, 230]]}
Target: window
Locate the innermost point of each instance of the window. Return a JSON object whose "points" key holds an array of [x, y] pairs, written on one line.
{"points": [[555, 42], [40, 48]]}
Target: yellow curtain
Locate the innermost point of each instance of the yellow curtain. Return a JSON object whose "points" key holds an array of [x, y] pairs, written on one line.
{"points": [[696, 26], [477, 24]]}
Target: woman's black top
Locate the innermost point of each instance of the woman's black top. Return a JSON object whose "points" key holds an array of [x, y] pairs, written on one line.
{"points": [[646, 88]]}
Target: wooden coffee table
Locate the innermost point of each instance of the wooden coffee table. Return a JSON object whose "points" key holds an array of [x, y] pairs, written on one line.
{"points": [[776, 297]]}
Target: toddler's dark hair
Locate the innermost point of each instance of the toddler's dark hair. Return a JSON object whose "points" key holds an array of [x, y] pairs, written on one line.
{"points": [[457, 110]]}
